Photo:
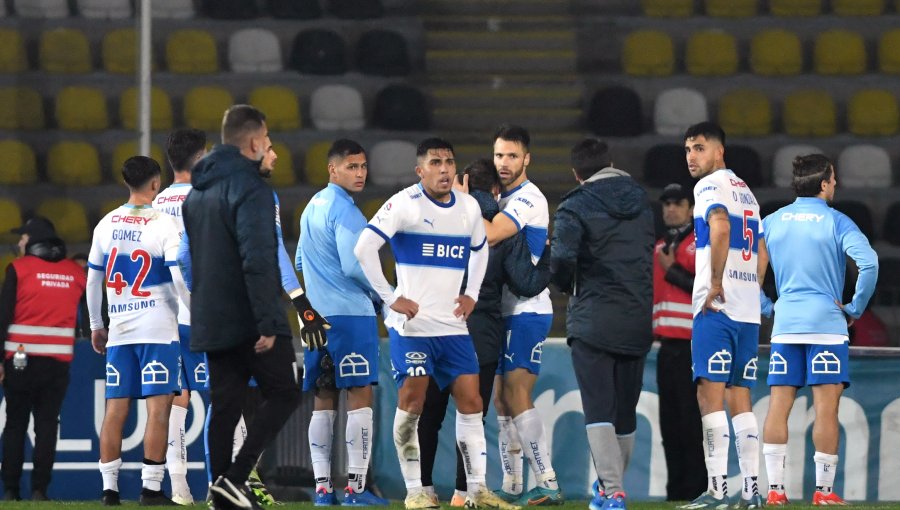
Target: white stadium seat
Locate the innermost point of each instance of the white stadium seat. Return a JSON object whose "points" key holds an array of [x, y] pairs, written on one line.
{"points": [[783, 162], [864, 166], [105, 9], [393, 163], [677, 109], [42, 8], [334, 107], [172, 9], [254, 50]]}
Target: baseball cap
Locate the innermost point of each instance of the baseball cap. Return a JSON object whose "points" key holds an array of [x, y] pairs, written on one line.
{"points": [[676, 191], [38, 228]]}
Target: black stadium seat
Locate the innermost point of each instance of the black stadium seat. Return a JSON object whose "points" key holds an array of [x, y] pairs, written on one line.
{"points": [[771, 206], [402, 108], [860, 214], [616, 111], [318, 51], [744, 161], [356, 9], [891, 230], [230, 9], [665, 164], [295, 9], [382, 53]]}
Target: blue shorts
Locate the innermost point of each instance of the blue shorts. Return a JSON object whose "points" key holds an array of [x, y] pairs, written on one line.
{"points": [[143, 370], [442, 357], [193, 364], [724, 350], [353, 345], [525, 335], [809, 364]]}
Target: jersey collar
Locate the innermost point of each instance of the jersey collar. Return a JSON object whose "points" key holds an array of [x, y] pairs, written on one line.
{"points": [[510, 192]]}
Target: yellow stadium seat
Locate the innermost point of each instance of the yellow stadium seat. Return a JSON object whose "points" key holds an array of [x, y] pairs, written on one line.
{"points": [[857, 7], [119, 51], [295, 226], [280, 104], [745, 112], [68, 216], [12, 52], [10, 218], [316, 166], [776, 53], [810, 113], [18, 163], [731, 8], [840, 52], [711, 53], [873, 112], [667, 8], [74, 164], [371, 206], [192, 52], [5, 260], [795, 7], [65, 51], [112, 204], [205, 106], [21, 108], [81, 109], [284, 174], [161, 117], [125, 150], [889, 52], [648, 53]]}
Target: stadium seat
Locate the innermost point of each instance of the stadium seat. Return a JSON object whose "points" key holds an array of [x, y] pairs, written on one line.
{"points": [[172, 9], [105, 9], [119, 51], [873, 112], [64, 51], [10, 218], [205, 106], [891, 230], [283, 174], [402, 108], [127, 149], [887, 290], [711, 53], [280, 104], [615, 111], [5, 260], [776, 52], [731, 8], [41, 8], [665, 164], [112, 204], [857, 7], [81, 109], [21, 108], [648, 53], [316, 165], [795, 7], [355, 9], [744, 162], [667, 8], [393, 163], [295, 9], [809, 113], [771, 206], [318, 51], [889, 52], [18, 162], [677, 109], [3, 11], [371, 206], [783, 162], [230, 9], [382, 53], [859, 213], [745, 112], [337, 107], [254, 50], [191, 52], [161, 117], [74, 164], [68, 216], [864, 166], [839, 52], [12, 51]]}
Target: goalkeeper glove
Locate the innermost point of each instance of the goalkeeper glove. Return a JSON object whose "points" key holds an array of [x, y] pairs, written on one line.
{"points": [[312, 325]]}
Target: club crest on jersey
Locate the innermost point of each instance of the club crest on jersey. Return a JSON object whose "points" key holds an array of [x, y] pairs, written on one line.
{"points": [[353, 365], [826, 362], [154, 373], [719, 363], [112, 375]]}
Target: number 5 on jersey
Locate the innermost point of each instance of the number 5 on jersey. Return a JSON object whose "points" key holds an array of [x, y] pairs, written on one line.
{"points": [[117, 281]]}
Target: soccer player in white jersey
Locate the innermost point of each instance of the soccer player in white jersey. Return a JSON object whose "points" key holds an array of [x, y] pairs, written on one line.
{"points": [[809, 337], [184, 147], [133, 253], [436, 235], [726, 313]]}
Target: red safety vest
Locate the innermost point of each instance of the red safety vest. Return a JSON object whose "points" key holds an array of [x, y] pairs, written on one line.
{"points": [[672, 309], [47, 297]]}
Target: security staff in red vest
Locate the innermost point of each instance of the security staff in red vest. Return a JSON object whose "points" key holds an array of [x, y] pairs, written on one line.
{"points": [[38, 308], [673, 282]]}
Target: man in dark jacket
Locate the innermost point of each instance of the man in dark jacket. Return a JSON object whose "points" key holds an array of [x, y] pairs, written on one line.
{"points": [[602, 255], [236, 310]]}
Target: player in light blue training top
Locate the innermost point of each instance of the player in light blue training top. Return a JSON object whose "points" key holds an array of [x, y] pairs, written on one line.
{"points": [[809, 338]]}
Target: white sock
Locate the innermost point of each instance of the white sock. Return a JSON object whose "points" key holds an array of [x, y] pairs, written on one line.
{"points": [[359, 444], [826, 467], [321, 435], [534, 445], [775, 455], [473, 448], [406, 441], [110, 473], [746, 442], [716, 440], [176, 453], [152, 476], [240, 434], [510, 455]]}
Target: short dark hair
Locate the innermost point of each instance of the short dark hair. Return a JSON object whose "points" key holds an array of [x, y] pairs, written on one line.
{"points": [[430, 144], [513, 133], [809, 172], [139, 170], [344, 147], [181, 147], [706, 129], [239, 121], [482, 174], [589, 156]]}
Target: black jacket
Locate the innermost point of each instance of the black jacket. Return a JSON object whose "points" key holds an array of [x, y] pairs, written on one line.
{"points": [[229, 217], [602, 255]]}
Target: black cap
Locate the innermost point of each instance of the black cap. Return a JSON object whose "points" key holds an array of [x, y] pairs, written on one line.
{"points": [[676, 192], [38, 228]]}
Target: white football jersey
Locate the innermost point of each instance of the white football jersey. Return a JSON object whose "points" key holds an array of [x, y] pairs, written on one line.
{"points": [[134, 247], [430, 241], [169, 201], [724, 189], [527, 207]]}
